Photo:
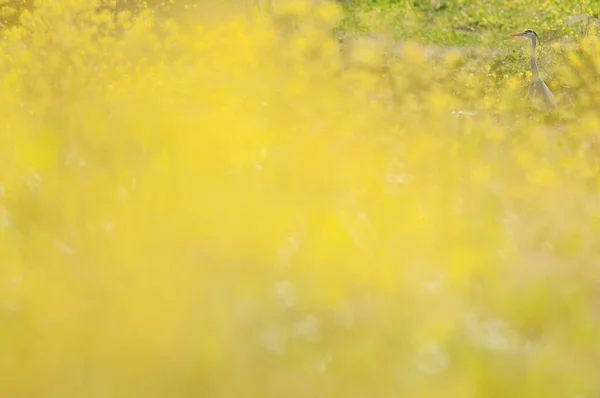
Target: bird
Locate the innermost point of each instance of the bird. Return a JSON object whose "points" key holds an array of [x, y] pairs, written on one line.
{"points": [[537, 88]]}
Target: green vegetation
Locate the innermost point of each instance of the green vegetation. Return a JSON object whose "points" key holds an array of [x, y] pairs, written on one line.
{"points": [[472, 22], [479, 30]]}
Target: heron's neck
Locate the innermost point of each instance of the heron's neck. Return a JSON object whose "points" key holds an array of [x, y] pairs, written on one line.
{"points": [[535, 72]]}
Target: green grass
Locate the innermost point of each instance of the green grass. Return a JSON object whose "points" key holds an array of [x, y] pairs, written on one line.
{"points": [[471, 22], [478, 30]]}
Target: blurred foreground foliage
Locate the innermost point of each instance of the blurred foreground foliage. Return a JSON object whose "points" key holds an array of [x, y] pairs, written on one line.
{"points": [[246, 207]]}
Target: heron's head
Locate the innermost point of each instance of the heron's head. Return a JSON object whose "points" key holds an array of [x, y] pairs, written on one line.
{"points": [[527, 33]]}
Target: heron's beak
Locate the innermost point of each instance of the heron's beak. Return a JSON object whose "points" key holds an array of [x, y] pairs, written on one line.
{"points": [[517, 34]]}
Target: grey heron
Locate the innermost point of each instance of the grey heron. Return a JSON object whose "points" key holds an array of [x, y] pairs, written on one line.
{"points": [[537, 88]]}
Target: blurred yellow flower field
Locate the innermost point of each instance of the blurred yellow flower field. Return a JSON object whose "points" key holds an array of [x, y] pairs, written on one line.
{"points": [[245, 207]]}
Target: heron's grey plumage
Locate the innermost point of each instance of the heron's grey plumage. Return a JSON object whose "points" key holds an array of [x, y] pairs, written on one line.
{"points": [[538, 90]]}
